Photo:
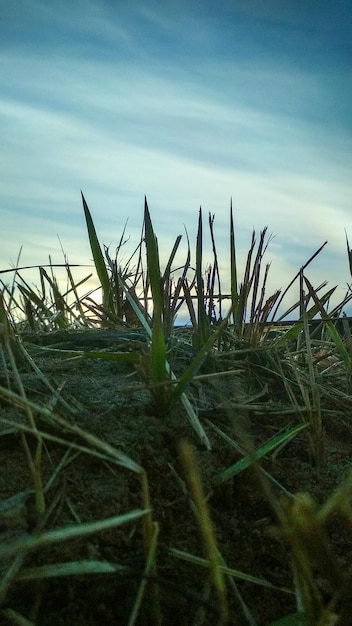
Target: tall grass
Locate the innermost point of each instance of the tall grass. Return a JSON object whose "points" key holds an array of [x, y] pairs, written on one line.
{"points": [[142, 299]]}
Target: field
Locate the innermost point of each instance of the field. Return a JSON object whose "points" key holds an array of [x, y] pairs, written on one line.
{"points": [[158, 474]]}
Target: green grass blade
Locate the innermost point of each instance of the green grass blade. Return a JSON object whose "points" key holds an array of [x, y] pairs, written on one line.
{"points": [[229, 571], [153, 264], [245, 287], [69, 533], [202, 332], [98, 258], [170, 292], [233, 266], [153, 596], [258, 453], [136, 306], [214, 277], [256, 274], [349, 253], [69, 568], [167, 271], [158, 347]]}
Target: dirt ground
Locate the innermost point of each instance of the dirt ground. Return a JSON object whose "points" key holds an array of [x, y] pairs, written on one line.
{"points": [[106, 398]]}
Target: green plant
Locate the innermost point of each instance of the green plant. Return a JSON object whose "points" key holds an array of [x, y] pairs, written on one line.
{"points": [[165, 388]]}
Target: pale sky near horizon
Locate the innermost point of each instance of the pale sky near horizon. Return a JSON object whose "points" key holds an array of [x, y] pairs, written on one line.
{"points": [[188, 103]]}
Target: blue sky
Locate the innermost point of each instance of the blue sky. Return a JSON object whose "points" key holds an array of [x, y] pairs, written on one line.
{"points": [[188, 103]]}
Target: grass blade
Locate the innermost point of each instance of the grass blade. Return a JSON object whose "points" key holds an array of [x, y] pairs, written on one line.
{"points": [[98, 258], [202, 332], [349, 254], [69, 568], [51, 537], [158, 347], [258, 453], [233, 266]]}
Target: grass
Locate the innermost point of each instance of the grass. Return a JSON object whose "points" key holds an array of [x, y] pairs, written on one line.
{"points": [[207, 386]]}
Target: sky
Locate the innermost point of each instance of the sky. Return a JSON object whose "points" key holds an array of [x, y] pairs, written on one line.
{"points": [[189, 103]]}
